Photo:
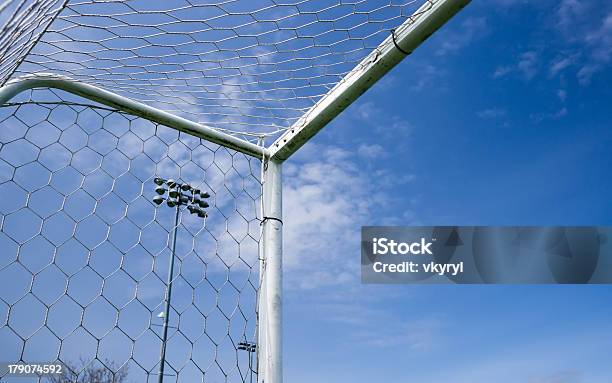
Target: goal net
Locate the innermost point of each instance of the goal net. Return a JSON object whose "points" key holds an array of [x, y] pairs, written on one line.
{"points": [[141, 145]]}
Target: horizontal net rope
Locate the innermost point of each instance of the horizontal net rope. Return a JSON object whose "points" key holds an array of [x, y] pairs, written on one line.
{"points": [[247, 67], [85, 252]]}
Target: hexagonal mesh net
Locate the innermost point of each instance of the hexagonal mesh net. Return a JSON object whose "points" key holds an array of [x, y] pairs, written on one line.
{"points": [[85, 253], [248, 67]]}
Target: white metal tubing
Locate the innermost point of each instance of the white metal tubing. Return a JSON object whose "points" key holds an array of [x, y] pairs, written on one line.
{"points": [[270, 367], [16, 86], [425, 21]]}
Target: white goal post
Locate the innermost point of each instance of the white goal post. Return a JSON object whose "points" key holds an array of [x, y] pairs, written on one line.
{"points": [[402, 40]]}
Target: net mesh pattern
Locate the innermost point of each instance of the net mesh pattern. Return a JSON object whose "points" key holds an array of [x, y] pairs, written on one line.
{"points": [[248, 67], [85, 253]]}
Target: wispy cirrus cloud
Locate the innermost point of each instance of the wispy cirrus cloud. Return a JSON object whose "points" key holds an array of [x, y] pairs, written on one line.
{"points": [[471, 29], [582, 46], [569, 11], [554, 115], [587, 27], [426, 75], [561, 63], [562, 94], [501, 71], [371, 151], [527, 65]]}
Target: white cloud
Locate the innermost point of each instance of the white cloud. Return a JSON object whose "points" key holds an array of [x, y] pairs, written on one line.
{"points": [[366, 110], [501, 71], [586, 73], [528, 64], [386, 126], [539, 117], [426, 74], [328, 195], [568, 12], [330, 192], [600, 39], [398, 128], [560, 64], [599, 42], [371, 151], [589, 27], [471, 29], [325, 200], [586, 30], [562, 94]]}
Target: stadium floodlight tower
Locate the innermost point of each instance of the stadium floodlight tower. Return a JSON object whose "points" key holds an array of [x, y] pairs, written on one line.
{"points": [[226, 76], [194, 199]]}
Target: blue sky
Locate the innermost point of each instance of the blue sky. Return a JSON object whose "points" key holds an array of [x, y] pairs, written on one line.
{"points": [[501, 118]]}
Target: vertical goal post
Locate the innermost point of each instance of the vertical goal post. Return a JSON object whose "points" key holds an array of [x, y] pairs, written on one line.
{"points": [[400, 42]]}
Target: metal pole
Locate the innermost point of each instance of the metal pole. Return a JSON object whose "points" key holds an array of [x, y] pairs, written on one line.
{"points": [[270, 358], [124, 104], [162, 353]]}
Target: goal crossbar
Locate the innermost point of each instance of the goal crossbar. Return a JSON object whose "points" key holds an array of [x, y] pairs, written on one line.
{"points": [[124, 104]]}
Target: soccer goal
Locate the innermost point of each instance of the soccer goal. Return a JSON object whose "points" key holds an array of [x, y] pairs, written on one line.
{"points": [[141, 151]]}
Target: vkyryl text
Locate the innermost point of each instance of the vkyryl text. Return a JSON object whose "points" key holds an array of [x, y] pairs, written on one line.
{"points": [[413, 267]]}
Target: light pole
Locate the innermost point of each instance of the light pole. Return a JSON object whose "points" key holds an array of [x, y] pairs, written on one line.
{"points": [[178, 195]]}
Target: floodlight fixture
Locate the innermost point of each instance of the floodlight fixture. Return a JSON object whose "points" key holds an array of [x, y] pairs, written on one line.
{"points": [[160, 190], [158, 199], [174, 193], [172, 202], [159, 181], [196, 210], [171, 183]]}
